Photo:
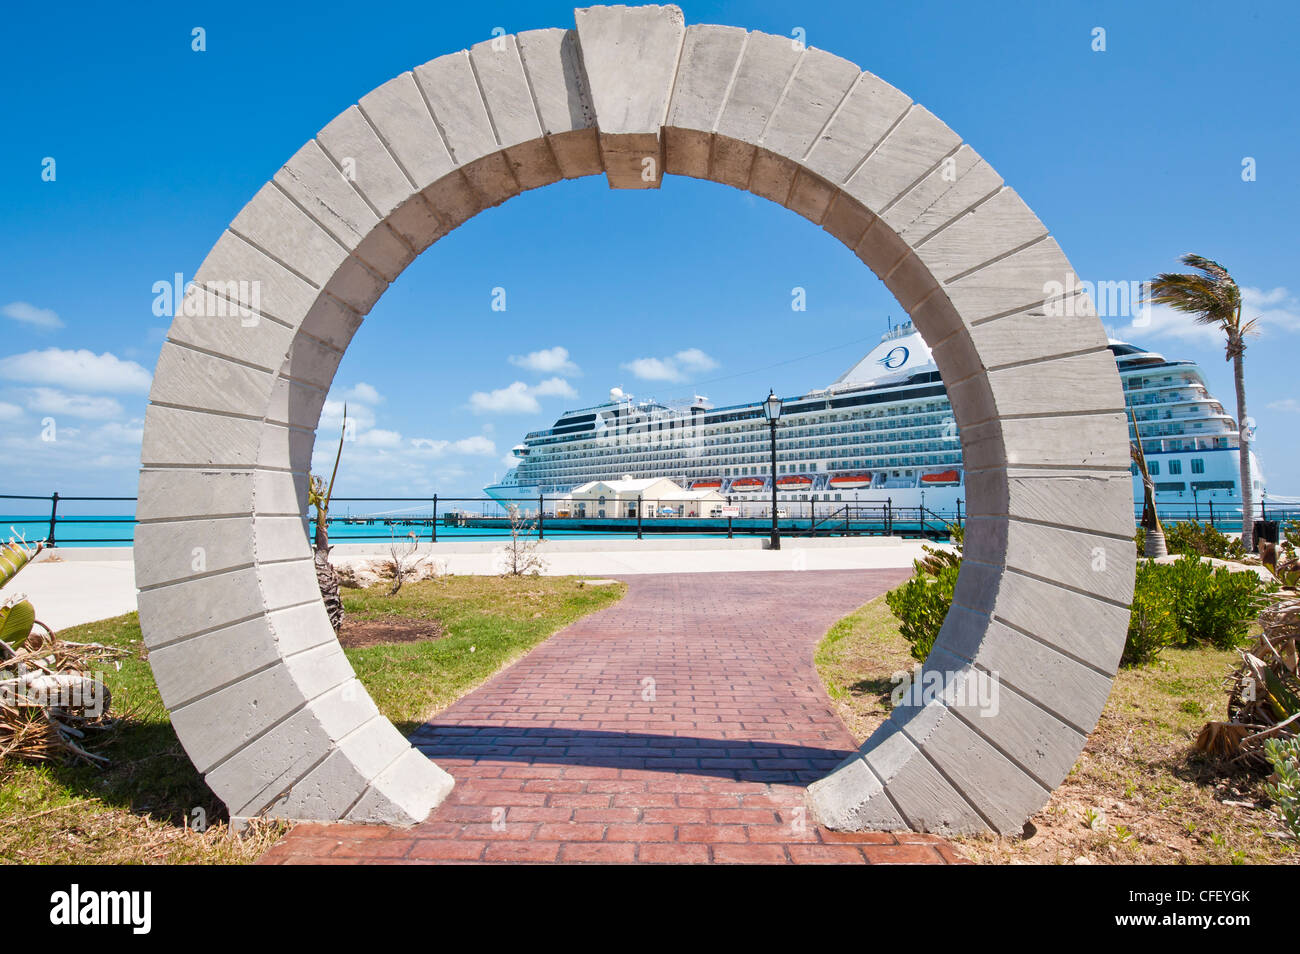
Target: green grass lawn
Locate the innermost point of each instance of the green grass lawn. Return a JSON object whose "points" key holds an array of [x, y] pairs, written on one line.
{"points": [[143, 806], [489, 621], [1138, 793]]}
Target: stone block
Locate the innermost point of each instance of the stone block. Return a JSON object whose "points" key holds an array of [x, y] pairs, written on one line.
{"points": [[629, 56], [766, 65], [870, 110]]}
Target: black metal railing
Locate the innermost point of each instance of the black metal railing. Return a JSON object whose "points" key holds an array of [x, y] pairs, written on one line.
{"points": [[47, 526], [466, 518]]}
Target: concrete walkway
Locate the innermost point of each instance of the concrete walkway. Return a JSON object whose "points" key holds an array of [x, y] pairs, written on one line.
{"points": [[626, 557], [77, 591], [679, 725]]}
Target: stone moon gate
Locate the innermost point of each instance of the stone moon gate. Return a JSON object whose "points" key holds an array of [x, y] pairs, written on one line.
{"points": [[261, 695]]}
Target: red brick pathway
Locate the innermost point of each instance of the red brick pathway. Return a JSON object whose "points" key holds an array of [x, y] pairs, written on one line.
{"points": [[679, 725]]}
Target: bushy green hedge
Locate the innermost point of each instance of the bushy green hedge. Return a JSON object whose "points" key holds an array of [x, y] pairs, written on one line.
{"points": [[1174, 604], [1188, 602], [1188, 536], [1213, 604], [1152, 624], [921, 605]]}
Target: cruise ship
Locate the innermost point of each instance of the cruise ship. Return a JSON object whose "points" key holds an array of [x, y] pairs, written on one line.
{"points": [[884, 430]]}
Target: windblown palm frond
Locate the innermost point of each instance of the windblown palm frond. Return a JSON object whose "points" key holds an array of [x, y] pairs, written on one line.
{"points": [[1212, 298]]}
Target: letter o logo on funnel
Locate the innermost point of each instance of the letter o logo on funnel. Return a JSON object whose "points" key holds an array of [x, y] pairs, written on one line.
{"points": [[896, 358]]}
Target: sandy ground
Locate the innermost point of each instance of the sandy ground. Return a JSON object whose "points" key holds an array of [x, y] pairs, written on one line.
{"points": [[85, 586]]}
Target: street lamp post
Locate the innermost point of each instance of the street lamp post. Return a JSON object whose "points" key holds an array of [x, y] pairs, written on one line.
{"points": [[772, 411]]}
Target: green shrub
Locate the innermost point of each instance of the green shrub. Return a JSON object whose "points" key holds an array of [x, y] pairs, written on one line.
{"points": [[1188, 536], [1284, 756], [921, 605], [1291, 534], [1152, 624], [1189, 602], [1214, 605]]}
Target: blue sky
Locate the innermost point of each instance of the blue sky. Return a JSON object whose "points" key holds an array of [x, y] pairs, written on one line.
{"points": [[1132, 156]]}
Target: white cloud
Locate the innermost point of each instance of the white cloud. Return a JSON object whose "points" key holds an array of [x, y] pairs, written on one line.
{"points": [[554, 387], [696, 360], [115, 432], [360, 418], [519, 398], [513, 399], [1276, 310], [1289, 405], [361, 393], [31, 315], [1162, 322], [54, 401], [674, 368], [378, 437], [509, 461], [10, 412], [547, 361], [81, 369], [477, 445], [653, 369]]}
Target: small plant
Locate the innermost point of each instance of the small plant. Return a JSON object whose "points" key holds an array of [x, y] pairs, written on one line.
{"points": [[404, 560], [521, 556], [1284, 788]]}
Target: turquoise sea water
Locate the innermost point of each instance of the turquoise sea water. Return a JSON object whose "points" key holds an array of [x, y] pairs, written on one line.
{"points": [[77, 530], [118, 531]]}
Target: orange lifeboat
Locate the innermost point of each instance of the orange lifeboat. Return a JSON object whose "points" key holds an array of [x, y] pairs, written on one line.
{"points": [[941, 477], [747, 483], [794, 482], [708, 483], [851, 481]]}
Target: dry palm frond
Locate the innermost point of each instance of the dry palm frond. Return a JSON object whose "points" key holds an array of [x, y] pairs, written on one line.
{"points": [[1263, 693], [1222, 740], [52, 699]]}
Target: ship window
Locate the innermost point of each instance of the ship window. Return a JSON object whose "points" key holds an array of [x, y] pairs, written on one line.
{"points": [[1198, 465], [1153, 467], [1175, 467]]}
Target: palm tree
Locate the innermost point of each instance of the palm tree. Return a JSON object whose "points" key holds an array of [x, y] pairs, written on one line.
{"points": [[1213, 298], [1154, 536], [319, 495]]}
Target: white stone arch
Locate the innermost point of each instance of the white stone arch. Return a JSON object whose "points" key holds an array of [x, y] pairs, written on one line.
{"points": [[260, 693]]}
